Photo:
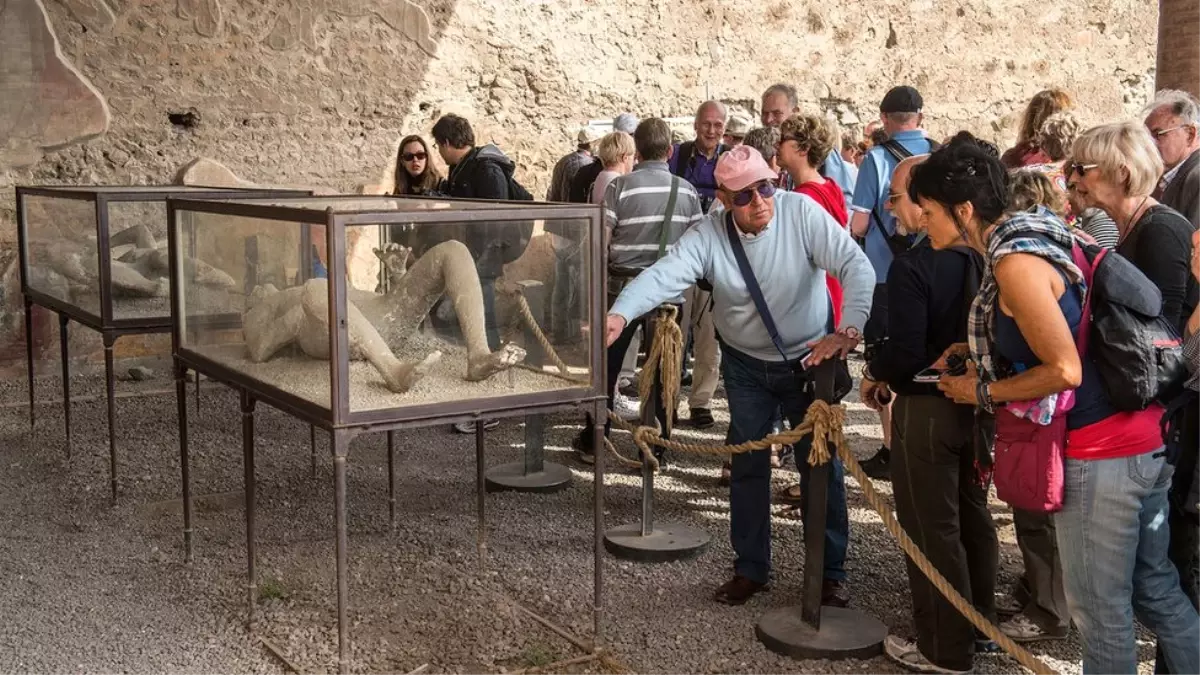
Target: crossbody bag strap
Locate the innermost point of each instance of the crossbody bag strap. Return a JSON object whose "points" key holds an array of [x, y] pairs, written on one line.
{"points": [[1089, 273], [668, 217], [760, 303]]}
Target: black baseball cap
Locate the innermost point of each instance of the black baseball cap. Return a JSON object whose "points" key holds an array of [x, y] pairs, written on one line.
{"points": [[902, 99]]}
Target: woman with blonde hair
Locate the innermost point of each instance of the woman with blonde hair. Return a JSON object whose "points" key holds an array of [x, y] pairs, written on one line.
{"points": [[1043, 104], [616, 152]]}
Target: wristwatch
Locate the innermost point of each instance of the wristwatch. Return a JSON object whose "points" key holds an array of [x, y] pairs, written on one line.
{"points": [[850, 332]]}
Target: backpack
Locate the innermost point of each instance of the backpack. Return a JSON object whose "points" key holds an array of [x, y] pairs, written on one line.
{"points": [[517, 192], [1137, 352], [580, 191], [898, 243]]}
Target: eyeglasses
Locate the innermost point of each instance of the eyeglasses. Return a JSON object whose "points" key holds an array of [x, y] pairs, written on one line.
{"points": [[410, 156], [766, 190], [1081, 169], [891, 199]]}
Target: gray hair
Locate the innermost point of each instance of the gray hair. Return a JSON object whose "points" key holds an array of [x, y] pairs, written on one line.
{"points": [[1182, 105], [787, 90], [712, 104], [901, 118], [765, 140]]}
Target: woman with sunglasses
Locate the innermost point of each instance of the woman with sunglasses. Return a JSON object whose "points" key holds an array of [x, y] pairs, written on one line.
{"points": [[415, 174], [1021, 339]]}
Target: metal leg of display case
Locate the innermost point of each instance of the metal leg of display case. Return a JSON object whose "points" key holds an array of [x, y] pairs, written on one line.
{"points": [[29, 361], [532, 473], [391, 453], [64, 356], [110, 389], [480, 490], [197, 393], [340, 442], [648, 541], [184, 458], [312, 442], [812, 631], [247, 406], [598, 529]]}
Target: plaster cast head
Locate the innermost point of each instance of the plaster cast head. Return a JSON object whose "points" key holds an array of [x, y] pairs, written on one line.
{"points": [[1174, 124], [709, 125], [779, 102], [1113, 162]]}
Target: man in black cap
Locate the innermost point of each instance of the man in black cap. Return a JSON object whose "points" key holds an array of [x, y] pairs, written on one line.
{"points": [[872, 222]]}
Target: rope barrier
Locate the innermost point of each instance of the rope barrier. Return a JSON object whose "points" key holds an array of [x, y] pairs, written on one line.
{"points": [[825, 422]]}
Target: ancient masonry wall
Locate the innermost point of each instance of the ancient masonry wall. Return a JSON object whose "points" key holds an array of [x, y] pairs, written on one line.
{"points": [[315, 93]]}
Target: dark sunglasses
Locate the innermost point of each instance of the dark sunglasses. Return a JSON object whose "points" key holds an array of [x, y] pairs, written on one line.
{"points": [[410, 156], [743, 197], [1081, 169]]}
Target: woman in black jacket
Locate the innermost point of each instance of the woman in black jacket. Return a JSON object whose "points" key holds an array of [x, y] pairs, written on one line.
{"points": [[941, 494]]}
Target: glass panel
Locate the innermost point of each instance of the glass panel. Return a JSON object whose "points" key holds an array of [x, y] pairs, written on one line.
{"points": [[61, 250], [254, 298], [137, 238], [358, 203], [111, 189], [433, 320]]}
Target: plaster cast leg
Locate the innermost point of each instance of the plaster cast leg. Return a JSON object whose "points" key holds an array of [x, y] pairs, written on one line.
{"points": [[138, 235], [273, 321], [127, 280], [449, 269], [399, 376]]}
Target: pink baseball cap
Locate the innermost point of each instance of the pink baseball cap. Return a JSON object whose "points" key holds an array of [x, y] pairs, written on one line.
{"points": [[742, 167]]}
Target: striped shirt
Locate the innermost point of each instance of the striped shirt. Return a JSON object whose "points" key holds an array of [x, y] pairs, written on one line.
{"points": [[634, 212], [1191, 358], [1099, 226], [564, 171]]}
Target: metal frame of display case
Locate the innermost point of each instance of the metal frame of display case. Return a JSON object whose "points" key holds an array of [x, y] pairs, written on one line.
{"points": [[344, 424], [110, 328]]}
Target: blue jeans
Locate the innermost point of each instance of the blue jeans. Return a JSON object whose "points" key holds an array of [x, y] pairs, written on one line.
{"points": [[1113, 539], [757, 390]]}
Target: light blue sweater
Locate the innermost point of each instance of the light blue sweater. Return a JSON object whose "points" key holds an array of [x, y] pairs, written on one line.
{"points": [[789, 258]]}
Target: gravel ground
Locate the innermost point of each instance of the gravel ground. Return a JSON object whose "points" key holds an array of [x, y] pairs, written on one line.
{"points": [[89, 587]]}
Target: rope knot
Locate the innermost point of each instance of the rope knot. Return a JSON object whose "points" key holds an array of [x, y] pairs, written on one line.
{"points": [[643, 438], [826, 421]]}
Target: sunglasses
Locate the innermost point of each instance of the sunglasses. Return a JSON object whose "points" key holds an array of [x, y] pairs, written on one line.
{"points": [[766, 190], [410, 156], [1081, 169]]}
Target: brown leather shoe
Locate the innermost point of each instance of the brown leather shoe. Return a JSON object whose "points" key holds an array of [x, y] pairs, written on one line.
{"points": [[834, 594], [738, 590]]}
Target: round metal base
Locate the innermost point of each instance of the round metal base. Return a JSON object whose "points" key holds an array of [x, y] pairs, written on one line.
{"points": [[668, 542], [844, 634], [552, 478]]}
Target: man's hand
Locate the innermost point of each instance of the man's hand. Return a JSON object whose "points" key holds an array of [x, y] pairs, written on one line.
{"points": [[829, 346], [874, 395], [614, 325], [958, 348]]}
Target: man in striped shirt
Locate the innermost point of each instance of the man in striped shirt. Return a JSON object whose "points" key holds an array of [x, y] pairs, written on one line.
{"points": [[645, 213]]}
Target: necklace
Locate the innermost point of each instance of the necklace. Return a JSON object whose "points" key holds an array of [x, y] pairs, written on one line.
{"points": [[1129, 223]]}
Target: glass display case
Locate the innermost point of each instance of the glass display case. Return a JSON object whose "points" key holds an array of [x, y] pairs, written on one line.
{"points": [[362, 310], [99, 253]]}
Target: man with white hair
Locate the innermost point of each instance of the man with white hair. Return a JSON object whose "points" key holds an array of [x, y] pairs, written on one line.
{"points": [[1174, 123], [779, 102]]}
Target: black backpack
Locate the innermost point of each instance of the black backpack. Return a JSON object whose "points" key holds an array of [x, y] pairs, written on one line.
{"points": [[517, 191], [898, 243], [1137, 351]]}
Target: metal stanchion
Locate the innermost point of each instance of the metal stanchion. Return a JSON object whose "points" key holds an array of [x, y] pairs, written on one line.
{"points": [[533, 473], [813, 631]]}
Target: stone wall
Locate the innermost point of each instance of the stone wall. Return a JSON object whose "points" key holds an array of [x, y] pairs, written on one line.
{"points": [[317, 92]]}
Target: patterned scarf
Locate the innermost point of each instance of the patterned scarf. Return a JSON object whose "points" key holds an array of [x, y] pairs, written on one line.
{"points": [[1024, 232]]}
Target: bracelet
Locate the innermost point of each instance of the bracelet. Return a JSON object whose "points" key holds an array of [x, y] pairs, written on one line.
{"points": [[983, 394]]}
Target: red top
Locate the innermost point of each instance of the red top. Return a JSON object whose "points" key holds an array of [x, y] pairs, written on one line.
{"points": [[1124, 434], [828, 194]]}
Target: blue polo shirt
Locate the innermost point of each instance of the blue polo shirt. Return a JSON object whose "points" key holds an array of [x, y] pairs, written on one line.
{"points": [[870, 192], [845, 174], [699, 171]]}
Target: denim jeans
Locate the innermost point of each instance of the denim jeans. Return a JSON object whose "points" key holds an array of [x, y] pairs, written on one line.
{"points": [[757, 390], [1113, 539]]}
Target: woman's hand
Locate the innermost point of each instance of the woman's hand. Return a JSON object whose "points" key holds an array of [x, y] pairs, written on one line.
{"points": [[874, 395], [958, 348], [961, 388]]}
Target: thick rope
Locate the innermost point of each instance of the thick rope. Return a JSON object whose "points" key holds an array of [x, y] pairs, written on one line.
{"points": [[825, 423], [665, 356], [547, 348]]}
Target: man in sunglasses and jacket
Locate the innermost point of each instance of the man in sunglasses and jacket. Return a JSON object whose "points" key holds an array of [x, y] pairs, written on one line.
{"points": [[788, 243]]}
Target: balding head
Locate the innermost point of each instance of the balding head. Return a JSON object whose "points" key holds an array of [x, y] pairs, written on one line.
{"points": [[709, 126], [908, 214]]}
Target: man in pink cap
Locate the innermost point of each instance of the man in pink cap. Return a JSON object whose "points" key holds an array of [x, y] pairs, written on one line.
{"points": [[776, 245]]}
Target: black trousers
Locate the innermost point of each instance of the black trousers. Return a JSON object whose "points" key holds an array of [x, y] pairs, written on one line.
{"points": [[1184, 549], [942, 506]]}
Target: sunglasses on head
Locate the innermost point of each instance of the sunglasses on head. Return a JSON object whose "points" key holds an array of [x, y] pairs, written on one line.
{"points": [[410, 156], [766, 190]]}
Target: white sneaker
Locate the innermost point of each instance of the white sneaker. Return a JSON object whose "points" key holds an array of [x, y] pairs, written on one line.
{"points": [[626, 407], [469, 427], [1021, 628], [907, 654]]}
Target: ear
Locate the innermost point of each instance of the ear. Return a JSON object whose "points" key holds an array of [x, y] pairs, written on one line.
{"points": [[671, 152]]}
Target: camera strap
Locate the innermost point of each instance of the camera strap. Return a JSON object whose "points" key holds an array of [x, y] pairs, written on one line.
{"points": [[760, 303]]}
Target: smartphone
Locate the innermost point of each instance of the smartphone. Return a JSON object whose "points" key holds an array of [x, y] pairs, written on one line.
{"points": [[928, 376]]}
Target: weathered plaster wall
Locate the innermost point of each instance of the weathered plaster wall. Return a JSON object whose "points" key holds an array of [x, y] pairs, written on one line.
{"points": [[317, 92]]}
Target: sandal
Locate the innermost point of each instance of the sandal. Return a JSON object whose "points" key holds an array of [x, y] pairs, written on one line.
{"points": [[907, 654], [790, 495]]}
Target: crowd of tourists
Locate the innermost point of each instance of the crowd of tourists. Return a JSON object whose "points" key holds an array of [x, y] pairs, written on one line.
{"points": [[1028, 321]]}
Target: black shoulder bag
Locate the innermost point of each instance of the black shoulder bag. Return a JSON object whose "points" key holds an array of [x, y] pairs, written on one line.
{"points": [[842, 382]]}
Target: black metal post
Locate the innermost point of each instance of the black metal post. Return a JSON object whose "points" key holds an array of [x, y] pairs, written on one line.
{"points": [[391, 453], [814, 527], [29, 362], [184, 458], [64, 356], [248, 402], [340, 445], [598, 528], [312, 440], [197, 393], [110, 389], [535, 297], [480, 490], [535, 444]]}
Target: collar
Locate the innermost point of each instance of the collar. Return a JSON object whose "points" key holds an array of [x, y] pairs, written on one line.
{"points": [[909, 135], [715, 153], [1170, 175], [746, 236], [652, 165]]}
